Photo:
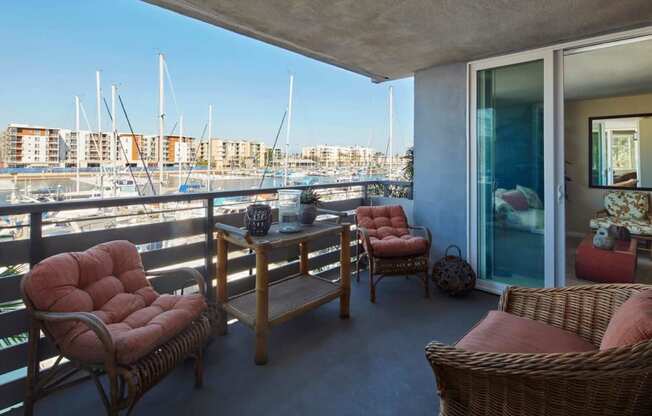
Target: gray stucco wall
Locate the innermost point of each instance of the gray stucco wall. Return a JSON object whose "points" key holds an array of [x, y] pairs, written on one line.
{"points": [[440, 155]]}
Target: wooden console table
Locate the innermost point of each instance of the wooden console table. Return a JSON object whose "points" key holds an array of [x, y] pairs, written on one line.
{"points": [[271, 304]]}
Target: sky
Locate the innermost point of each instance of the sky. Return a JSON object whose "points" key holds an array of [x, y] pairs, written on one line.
{"points": [[51, 50]]}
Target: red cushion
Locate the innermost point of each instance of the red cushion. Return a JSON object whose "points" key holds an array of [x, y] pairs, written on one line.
{"points": [[108, 280], [388, 232], [504, 332], [516, 199], [632, 322]]}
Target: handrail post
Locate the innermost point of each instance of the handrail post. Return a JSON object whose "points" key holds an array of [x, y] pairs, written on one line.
{"points": [[210, 248], [365, 194], [386, 189], [35, 238]]}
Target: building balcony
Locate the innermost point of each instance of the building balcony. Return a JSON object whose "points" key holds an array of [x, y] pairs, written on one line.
{"points": [[172, 231]]}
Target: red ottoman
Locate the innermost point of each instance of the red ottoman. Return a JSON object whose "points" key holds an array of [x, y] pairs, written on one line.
{"points": [[606, 266]]}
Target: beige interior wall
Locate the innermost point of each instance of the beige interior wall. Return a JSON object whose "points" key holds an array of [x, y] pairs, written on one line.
{"points": [[582, 200]]}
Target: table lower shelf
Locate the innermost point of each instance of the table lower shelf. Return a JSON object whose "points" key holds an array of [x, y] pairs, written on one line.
{"points": [[287, 298]]}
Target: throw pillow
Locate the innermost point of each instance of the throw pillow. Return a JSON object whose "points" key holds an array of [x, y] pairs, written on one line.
{"points": [[531, 196], [517, 200], [626, 204], [631, 323], [502, 208]]}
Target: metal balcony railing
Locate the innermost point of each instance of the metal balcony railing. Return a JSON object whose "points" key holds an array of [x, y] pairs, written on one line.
{"points": [[169, 230]]}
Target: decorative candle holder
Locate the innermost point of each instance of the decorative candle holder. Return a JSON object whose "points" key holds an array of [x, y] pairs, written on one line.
{"points": [[289, 205], [258, 219]]}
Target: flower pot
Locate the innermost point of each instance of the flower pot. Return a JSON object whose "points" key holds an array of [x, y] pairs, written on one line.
{"points": [[307, 214]]}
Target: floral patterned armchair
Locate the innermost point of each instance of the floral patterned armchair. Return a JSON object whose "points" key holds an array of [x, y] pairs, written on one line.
{"points": [[629, 209]]}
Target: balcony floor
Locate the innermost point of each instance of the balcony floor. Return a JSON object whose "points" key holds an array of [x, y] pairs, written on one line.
{"points": [[373, 363]]}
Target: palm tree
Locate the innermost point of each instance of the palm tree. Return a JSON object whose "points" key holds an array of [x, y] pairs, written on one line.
{"points": [[408, 169]]}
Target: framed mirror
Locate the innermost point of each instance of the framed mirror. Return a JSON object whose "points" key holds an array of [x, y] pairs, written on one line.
{"points": [[620, 152]]}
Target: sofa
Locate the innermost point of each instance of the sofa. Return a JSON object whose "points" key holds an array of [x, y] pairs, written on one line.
{"points": [[629, 209]]}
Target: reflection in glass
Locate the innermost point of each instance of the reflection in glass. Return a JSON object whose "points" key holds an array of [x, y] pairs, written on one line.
{"points": [[510, 178], [621, 151]]}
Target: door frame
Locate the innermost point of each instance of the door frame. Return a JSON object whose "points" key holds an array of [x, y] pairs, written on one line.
{"points": [[555, 245], [546, 56]]}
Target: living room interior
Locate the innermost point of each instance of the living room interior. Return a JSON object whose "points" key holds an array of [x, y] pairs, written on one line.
{"points": [[608, 162]]}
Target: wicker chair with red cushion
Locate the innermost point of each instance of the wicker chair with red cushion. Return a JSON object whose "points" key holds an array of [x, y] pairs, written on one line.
{"points": [[391, 245], [101, 312]]}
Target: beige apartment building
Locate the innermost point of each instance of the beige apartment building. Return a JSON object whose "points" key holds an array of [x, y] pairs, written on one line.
{"points": [[230, 154], [339, 156]]}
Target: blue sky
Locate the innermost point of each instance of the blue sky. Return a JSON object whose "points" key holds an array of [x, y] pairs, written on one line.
{"points": [[51, 49]]}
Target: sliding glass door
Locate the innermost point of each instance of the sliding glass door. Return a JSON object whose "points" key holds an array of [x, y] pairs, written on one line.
{"points": [[512, 181]]}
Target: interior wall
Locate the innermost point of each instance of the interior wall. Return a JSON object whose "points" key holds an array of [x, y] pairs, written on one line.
{"points": [[583, 201], [440, 155]]}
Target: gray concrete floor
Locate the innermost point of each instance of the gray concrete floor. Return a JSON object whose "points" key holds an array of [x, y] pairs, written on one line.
{"points": [[373, 363]]}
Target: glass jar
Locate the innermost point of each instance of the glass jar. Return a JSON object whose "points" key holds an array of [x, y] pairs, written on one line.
{"points": [[289, 204]]}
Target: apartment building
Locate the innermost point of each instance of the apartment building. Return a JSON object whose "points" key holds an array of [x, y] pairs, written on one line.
{"points": [[337, 156], [230, 154], [94, 149], [179, 149], [32, 146]]}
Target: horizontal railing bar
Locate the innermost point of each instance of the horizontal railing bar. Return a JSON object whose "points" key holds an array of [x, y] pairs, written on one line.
{"points": [[113, 202]]}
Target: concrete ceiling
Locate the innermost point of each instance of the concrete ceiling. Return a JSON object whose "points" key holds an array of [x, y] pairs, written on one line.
{"points": [[388, 39], [609, 72]]}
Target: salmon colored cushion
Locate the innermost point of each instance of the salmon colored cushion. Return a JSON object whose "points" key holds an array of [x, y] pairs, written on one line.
{"points": [[632, 322], [504, 332], [388, 231], [516, 200], [108, 281]]}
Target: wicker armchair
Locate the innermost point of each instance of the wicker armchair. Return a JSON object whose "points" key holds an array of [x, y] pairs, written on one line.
{"points": [[616, 381], [63, 295], [392, 246]]}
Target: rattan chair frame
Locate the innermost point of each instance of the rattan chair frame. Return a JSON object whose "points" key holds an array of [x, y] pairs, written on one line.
{"points": [[614, 381], [380, 267], [126, 383]]}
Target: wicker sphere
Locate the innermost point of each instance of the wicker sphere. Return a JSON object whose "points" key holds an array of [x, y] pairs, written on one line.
{"points": [[453, 275]]}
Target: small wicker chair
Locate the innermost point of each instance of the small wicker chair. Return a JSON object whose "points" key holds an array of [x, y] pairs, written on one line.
{"points": [[616, 381], [391, 247], [85, 302]]}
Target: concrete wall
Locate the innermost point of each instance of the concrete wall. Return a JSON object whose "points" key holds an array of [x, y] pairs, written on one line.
{"points": [[582, 200], [440, 155]]}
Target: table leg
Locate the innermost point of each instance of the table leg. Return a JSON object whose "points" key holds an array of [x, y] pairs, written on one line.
{"points": [[222, 272], [262, 307], [303, 257], [345, 270]]}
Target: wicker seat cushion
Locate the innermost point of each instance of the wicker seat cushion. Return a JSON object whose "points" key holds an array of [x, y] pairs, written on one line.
{"points": [[388, 231], [108, 280], [632, 322], [504, 332]]}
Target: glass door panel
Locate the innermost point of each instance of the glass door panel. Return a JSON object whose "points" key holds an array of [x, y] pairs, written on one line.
{"points": [[510, 174]]}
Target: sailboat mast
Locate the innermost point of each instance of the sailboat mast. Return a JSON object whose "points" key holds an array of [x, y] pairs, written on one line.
{"points": [[161, 122], [179, 146], [77, 139], [391, 130], [114, 138], [210, 143], [287, 133], [100, 153]]}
